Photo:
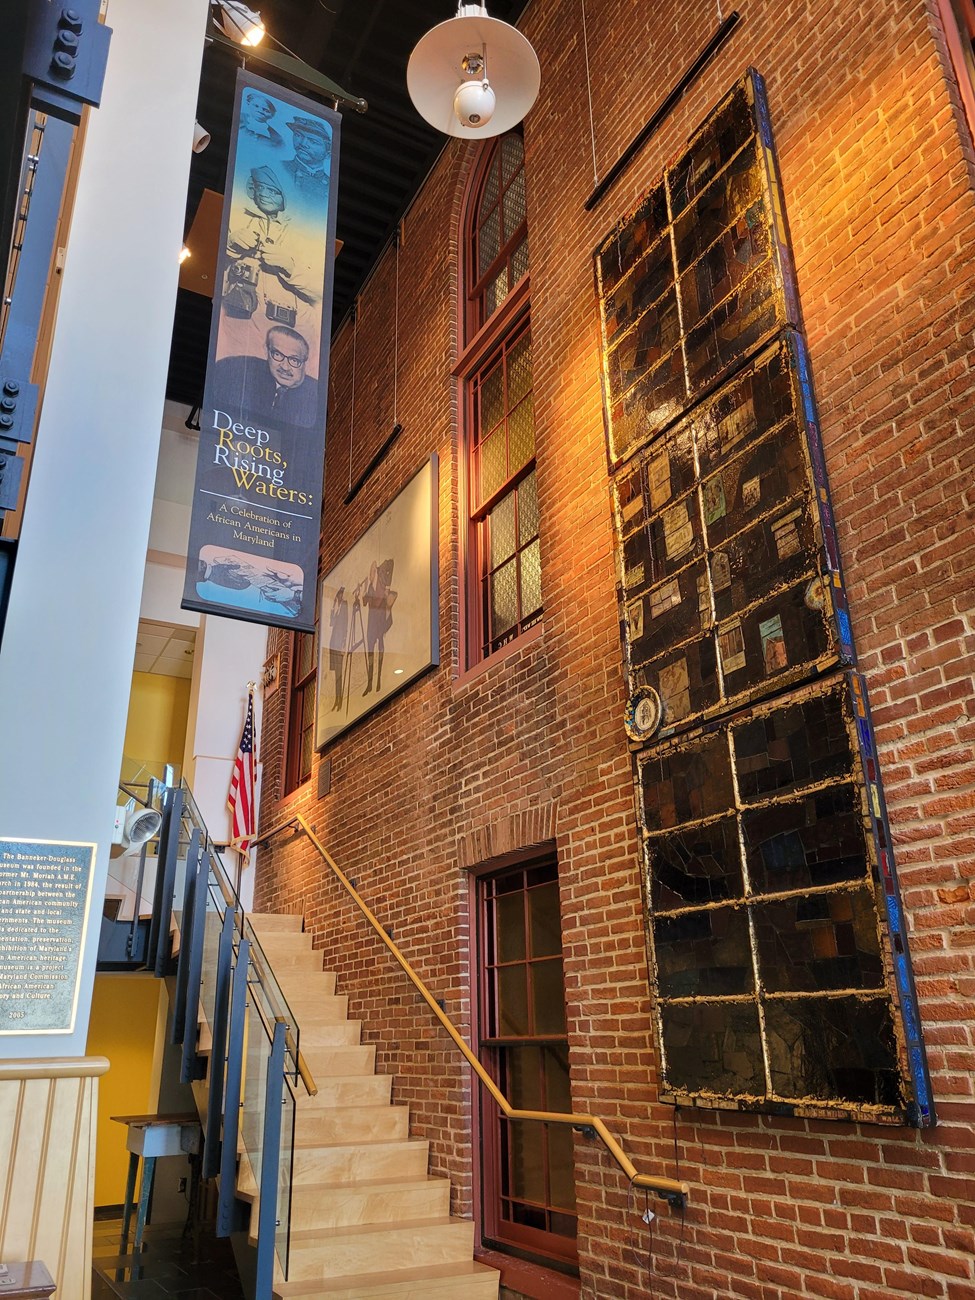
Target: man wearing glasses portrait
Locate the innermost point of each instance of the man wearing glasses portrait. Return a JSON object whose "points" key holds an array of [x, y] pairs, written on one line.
{"points": [[273, 387]]}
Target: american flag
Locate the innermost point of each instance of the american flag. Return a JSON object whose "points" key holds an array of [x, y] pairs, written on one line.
{"points": [[240, 801]]}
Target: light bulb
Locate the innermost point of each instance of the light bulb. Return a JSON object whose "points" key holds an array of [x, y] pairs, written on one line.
{"points": [[474, 103], [241, 24]]}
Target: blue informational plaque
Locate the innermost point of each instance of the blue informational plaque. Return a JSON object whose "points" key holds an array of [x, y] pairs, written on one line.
{"points": [[45, 893]]}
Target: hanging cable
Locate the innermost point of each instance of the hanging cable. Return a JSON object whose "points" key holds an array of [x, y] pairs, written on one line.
{"points": [[355, 332], [399, 231]]}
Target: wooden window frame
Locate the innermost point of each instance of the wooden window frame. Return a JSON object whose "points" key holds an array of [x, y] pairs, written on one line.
{"points": [[294, 778], [958, 22], [485, 343], [538, 1247]]}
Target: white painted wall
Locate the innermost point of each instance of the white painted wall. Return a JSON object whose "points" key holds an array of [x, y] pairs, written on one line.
{"points": [[229, 654], [69, 642]]}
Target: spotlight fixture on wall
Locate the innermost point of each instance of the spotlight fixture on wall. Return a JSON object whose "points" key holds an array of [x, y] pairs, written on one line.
{"points": [[238, 22], [135, 826], [201, 137], [473, 75]]}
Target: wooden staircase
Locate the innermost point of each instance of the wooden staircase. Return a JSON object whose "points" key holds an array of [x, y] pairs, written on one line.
{"points": [[367, 1220]]}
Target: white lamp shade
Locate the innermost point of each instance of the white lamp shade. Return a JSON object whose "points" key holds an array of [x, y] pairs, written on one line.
{"points": [[434, 73]]}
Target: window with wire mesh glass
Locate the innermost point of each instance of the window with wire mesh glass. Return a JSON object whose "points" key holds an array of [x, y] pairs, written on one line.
{"points": [[504, 569], [958, 17], [497, 239], [528, 1175], [301, 711]]}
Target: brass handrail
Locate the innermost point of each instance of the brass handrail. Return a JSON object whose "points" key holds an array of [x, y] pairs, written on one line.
{"points": [[670, 1189]]}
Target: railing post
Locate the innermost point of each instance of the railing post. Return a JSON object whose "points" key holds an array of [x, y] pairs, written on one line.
{"points": [[191, 900], [228, 1214], [194, 940], [162, 909], [267, 1221], [218, 1049]]}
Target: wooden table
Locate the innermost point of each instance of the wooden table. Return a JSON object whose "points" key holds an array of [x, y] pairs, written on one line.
{"points": [[151, 1136], [29, 1281]]}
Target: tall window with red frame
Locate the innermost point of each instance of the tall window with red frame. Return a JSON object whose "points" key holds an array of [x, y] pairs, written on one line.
{"points": [[528, 1175], [301, 711], [958, 17], [504, 568]]}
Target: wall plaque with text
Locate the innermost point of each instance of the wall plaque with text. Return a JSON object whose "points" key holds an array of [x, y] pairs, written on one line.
{"points": [[45, 891]]}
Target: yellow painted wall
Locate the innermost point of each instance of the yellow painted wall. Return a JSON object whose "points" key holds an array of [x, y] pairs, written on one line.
{"points": [[124, 1011], [155, 731]]}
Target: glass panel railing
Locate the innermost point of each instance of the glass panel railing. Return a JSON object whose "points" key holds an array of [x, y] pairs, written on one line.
{"points": [[286, 1165], [212, 926], [257, 1056], [277, 1003]]}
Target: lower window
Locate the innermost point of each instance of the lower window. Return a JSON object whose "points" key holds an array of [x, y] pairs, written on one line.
{"points": [[528, 1177]]}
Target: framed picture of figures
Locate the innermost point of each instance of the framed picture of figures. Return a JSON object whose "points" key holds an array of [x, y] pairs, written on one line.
{"points": [[378, 610]]}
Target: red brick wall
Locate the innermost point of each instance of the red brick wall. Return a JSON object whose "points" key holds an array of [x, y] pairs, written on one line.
{"points": [[878, 181]]}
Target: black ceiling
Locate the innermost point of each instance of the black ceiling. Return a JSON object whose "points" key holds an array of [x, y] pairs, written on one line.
{"points": [[364, 46]]}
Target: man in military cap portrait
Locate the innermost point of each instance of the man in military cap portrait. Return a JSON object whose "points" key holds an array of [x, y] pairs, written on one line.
{"points": [[313, 148], [267, 280]]}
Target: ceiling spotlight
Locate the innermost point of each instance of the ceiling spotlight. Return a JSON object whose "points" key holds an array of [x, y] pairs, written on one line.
{"points": [[238, 22], [184, 253], [201, 137], [447, 75]]}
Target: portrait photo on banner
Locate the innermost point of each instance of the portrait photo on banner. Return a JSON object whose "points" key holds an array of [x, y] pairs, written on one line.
{"points": [[270, 297]]}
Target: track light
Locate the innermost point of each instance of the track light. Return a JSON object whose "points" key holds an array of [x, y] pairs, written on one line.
{"points": [[238, 22], [448, 79], [201, 137]]}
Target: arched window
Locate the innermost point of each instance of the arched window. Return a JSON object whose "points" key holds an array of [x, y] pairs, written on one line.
{"points": [[504, 596]]}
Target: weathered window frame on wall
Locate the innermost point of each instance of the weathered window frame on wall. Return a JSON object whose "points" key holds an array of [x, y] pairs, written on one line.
{"points": [[777, 943]]}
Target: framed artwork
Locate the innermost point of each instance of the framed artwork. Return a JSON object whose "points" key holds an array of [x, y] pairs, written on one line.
{"points": [[379, 608]]}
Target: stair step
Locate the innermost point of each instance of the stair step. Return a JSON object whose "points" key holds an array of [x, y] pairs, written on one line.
{"points": [[381, 1200], [362, 1249], [321, 1009], [465, 1281], [348, 1090], [341, 1033], [293, 958], [370, 1123], [306, 986], [348, 1162], [325, 1060], [275, 922]]}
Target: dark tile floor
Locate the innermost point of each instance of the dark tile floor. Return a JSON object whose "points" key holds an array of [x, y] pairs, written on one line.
{"points": [[195, 1266]]}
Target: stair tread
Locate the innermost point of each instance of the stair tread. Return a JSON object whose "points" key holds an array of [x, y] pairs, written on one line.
{"points": [[353, 1144], [313, 1235], [361, 1283], [407, 1182], [340, 1081]]}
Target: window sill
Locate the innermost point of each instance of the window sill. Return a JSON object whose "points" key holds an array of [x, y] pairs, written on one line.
{"points": [[470, 675], [530, 1280]]}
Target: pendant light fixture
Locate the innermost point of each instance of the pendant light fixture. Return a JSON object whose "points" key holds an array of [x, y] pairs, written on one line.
{"points": [[473, 76]]}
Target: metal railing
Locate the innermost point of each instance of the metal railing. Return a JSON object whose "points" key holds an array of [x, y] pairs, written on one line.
{"points": [[672, 1190], [232, 1021]]}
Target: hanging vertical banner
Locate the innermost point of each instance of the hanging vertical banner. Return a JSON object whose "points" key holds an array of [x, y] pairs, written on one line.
{"points": [[256, 514]]}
